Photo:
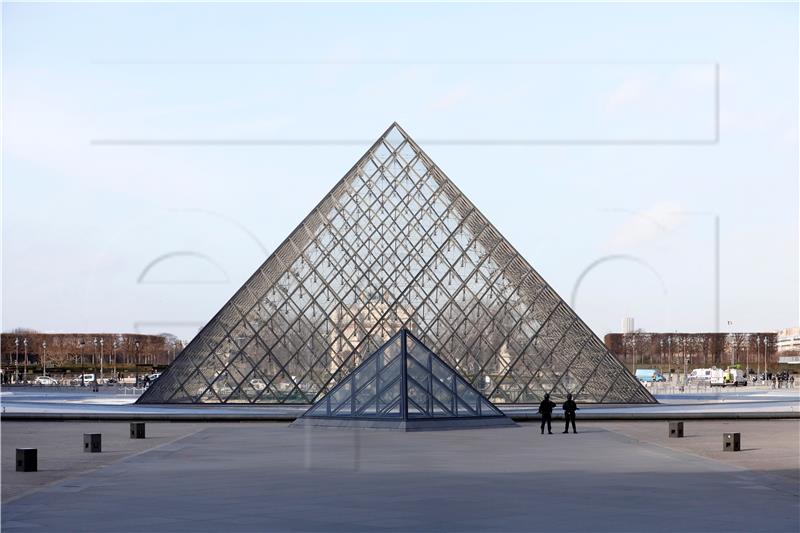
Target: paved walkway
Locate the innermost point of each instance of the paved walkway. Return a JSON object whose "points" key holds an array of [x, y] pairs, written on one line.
{"points": [[61, 453], [260, 477]]}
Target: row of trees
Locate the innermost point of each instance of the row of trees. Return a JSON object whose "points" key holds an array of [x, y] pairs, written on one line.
{"points": [[65, 349], [668, 350]]}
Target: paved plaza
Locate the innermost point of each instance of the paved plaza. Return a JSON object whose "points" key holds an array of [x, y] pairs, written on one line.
{"points": [[612, 476]]}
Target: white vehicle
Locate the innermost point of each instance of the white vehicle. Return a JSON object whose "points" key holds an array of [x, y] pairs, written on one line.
{"points": [[45, 380], [223, 390], [732, 377], [258, 384], [85, 379], [153, 377], [701, 374], [738, 377]]}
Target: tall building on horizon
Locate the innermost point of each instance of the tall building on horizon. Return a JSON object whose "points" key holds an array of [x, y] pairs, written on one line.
{"points": [[628, 325]]}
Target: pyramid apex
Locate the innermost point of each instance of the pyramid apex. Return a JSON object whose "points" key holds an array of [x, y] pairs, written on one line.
{"points": [[395, 135]]}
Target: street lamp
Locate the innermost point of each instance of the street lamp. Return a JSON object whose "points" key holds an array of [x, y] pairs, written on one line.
{"points": [[685, 359], [101, 358], [685, 375], [83, 372], [669, 348], [25, 348], [94, 354], [765, 357], [747, 358], [136, 344], [114, 354], [44, 358], [16, 359], [758, 359]]}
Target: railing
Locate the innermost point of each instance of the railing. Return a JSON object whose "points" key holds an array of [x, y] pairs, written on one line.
{"points": [[704, 387]]}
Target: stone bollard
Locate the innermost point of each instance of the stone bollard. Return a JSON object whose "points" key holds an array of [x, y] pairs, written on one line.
{"points": [[137, 430], [676, 430], [92, 442], [27, 459], [731, 442]]}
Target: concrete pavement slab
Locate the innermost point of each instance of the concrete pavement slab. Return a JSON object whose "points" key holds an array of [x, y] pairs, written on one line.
{"points": [[268, 477]]}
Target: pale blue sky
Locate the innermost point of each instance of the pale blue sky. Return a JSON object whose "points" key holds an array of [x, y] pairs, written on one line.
{"points": [[620, 101]]}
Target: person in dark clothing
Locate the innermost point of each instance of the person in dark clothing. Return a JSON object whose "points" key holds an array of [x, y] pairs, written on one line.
{"points": [[569, 413], [546, 410]]}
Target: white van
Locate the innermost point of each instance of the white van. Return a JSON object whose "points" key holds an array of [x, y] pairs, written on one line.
{"points": [[83, 378], [701, 374], [726, 378]]}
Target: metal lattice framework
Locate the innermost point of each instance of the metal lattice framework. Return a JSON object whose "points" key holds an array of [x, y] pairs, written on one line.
{"points": [[394, 245]]}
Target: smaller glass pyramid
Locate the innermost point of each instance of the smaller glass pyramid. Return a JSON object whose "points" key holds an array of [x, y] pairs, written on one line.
{"points": [[404, 385]]}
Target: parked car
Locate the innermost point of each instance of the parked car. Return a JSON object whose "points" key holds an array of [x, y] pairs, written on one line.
{"points": [[45, 380]]}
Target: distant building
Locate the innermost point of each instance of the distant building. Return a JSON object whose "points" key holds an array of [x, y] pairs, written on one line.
{"points": [[73, 350], [627, 325], [702, 350], [788, 340]]}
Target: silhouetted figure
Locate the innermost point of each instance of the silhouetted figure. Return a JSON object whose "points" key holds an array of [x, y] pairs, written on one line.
{"points": [[546, 410], [569, 413]]}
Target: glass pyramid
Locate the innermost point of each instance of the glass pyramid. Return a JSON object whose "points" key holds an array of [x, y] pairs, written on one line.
{"points": [[404, 385], [394, 245]]}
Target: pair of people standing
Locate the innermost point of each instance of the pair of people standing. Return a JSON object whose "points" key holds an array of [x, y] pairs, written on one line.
{"points": [[546, 410]]}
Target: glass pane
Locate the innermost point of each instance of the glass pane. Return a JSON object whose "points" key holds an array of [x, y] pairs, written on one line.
{"points": [[340, 396], [364, 374], [462, 409], [418, 352], [392, 411], [321, 409], [389, 373], [445, 397], [389, 396], [488, 409], [443, 374], [391, 351], [414, 410], [467, 395], [342, 410], [365, 395], [369, 410], [418, 396], [421, 375]]}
